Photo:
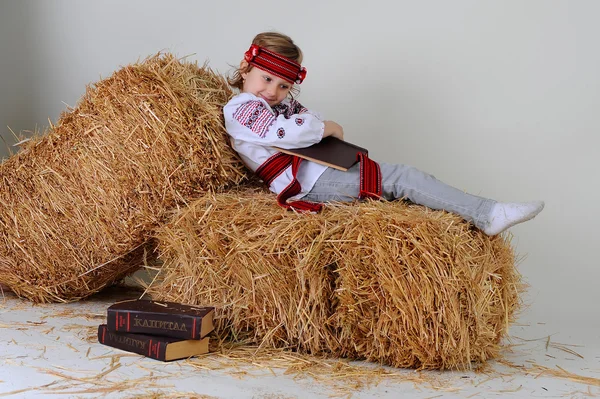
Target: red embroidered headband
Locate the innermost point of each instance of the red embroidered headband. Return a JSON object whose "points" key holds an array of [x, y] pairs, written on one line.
{"points": [[275, 63]]}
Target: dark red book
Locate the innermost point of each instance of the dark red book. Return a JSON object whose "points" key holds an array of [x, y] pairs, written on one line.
{"points": [[168, 319], [155, 347], [330, 151]]}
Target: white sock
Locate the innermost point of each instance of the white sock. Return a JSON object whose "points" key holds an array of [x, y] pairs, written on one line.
{"points": [[506, 214]]}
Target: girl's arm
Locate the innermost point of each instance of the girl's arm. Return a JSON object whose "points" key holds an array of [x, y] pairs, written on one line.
{"points": [[331, 127], [249, 119]]}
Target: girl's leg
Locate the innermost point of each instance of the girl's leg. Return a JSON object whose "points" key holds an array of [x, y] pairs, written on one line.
{"points": [[402, 181]]}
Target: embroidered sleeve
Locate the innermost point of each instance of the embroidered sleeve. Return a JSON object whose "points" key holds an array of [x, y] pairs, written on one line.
{"points": [[255, 116], [250, 120]]}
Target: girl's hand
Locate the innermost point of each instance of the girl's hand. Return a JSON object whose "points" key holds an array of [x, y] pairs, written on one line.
{"points": [[333, 129]]}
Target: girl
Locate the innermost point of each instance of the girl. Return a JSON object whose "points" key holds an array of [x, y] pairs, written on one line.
{"points": [[265, 115]]}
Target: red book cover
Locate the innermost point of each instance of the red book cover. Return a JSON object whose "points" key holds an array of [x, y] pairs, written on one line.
{"points": [[161, 318]]}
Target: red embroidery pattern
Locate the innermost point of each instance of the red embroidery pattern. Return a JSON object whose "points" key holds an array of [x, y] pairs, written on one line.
{"points": [[287, 111], [275, 63], [280, 133], [281, 109], [296, 107], [299, 121], [255, 116]]}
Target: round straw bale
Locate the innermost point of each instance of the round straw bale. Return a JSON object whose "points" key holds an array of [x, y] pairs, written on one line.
{"points": [[389, 282], [79, 203]]}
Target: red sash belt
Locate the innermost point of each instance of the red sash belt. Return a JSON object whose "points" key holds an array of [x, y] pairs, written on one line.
{"points": [[370, 180]]}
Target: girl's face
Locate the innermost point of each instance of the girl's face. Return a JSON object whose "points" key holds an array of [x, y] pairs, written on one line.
{"points": [[271, 88]]}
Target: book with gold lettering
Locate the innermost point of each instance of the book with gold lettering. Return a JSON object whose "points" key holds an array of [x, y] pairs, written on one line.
{"points": [[168, 319], [155, 347]]}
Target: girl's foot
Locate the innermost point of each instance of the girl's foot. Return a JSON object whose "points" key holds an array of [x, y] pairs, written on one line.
{"points": [[506, 214]]}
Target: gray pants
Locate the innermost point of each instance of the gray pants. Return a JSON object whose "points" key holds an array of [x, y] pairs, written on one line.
{"points": [[404, 182]]}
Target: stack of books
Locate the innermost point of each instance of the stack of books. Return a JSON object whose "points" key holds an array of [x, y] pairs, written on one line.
{"points": [[159, 330]]}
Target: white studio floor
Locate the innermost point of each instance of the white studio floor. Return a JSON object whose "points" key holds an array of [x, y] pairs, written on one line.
{"points": [[51, 351]]}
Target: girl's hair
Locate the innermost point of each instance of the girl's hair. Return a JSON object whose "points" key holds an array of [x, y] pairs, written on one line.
{"points": [[276, 42]]}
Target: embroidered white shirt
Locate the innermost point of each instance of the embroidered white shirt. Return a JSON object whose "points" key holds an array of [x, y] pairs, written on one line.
{"points": [[255, 127]]}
